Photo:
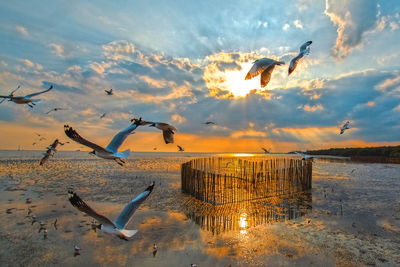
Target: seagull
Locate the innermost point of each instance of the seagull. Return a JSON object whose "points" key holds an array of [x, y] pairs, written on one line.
{"points": [[208, 122], [154, 250], [11, 94], [55, 224], [24, 99], [168, 131], [304, 156], [118, 226], [109, 92], [265, 66], [76, 250], [154, 148], [103, 115], [304, 50], [111, 151], [42, 226], [266, 151], [180, 148], [34, 143], [54, 109], [345, 127], [42, 138], [45, 234], [50, 151]]}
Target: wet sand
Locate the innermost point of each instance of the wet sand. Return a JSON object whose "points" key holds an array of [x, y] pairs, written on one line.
{"points": [[354, 218]]}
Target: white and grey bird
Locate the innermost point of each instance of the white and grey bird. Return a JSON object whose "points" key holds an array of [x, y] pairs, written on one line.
{"points": [[76, 251], [304, 50], [50, 151], [24, 99], [118, 226], [305, 156], [109, 92], [54, 109], [167, 129], [180, 148], [345, 127], [103, 115], [265, 66], [111, 151]]}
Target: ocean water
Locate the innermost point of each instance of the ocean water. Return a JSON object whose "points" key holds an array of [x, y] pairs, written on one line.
{"points": [[351, 217]]}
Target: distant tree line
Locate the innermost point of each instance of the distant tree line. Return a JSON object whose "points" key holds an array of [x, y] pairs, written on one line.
{"points": [[382, 151]]}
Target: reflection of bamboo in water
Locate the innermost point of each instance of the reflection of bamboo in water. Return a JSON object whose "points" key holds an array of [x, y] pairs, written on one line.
{"points": [[240, 216], [211, 180]]}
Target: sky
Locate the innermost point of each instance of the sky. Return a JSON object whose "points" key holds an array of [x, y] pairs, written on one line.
{"points": [[184, 63]]}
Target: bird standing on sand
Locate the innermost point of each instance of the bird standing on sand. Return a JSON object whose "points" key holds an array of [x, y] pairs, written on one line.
{"points": [[42, 226], [55, 224], [265, 66], [109, 92], [345, 127], [180, 148], [118, 226], [76, 250], [24, 99], [111, 151], [167, 129], [154, 250], [304, 50]]}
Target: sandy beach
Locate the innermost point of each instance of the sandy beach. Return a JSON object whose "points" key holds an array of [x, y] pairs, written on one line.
{"points": [[353, 220]]}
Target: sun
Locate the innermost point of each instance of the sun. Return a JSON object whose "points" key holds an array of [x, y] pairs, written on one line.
{"points": [[237, 85]]}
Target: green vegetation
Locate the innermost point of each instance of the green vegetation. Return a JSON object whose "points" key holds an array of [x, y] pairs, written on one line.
{"points": [[382, 151]]}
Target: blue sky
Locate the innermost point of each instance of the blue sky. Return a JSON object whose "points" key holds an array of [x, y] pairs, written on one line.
{"points": [[184, 62]]}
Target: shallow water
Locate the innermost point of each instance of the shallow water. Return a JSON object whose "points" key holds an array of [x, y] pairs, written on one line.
{"points": [[351, 216]]}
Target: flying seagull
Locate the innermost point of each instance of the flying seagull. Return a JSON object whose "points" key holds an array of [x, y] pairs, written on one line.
{"points": [[266, 151], [109, 92], [25, 99], [345, 127], [103, 115], [54, 109], [11, 94], [180, 148], [111, 151], [209, 122], [51, 149], [167, 129], [118, 226], [304, 50], [265, 66], [304, 156]]}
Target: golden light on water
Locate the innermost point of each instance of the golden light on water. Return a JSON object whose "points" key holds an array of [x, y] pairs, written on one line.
{"points": [[237, 85], [243, 220], [243, 155]]}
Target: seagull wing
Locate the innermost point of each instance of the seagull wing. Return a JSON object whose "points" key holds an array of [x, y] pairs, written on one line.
{"points": [[35, 94], [45, 158], [266, 75], [293, 63], [127, 213], [71, 133], [304, 47], [78, 203], [119, 138], [168, 136], [180, 148], [258, 67]]}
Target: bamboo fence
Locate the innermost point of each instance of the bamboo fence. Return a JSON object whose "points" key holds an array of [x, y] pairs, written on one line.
{"points": [[225, 180]]}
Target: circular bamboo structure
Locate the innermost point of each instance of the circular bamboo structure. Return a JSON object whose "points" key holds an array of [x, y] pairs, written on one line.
{"points": [[224, 180]]}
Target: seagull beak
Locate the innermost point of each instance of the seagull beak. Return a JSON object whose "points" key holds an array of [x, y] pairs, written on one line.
{"points": [[93, 152]]}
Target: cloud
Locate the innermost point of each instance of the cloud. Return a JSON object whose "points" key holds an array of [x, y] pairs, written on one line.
{"points": [[32, 65], [286, 27], [22, 30], [178, 118], [57, 49], [119, 50], [298, 24], [314, 108], [353, 19], [248, 133]]}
